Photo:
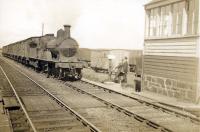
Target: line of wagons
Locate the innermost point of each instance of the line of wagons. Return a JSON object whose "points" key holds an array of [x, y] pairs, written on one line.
{"points": [[57, 56], [61, 56]]}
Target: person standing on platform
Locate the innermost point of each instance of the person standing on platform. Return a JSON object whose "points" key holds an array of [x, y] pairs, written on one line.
{"points": [[125, 70], [119, 71]]}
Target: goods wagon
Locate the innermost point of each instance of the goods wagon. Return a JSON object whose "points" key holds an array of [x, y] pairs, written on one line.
{"points": [[100, 61], [57, 56], [84, 54]]}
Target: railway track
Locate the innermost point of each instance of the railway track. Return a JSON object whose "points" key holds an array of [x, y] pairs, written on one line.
{"points": [[148, 102], [39, 110], [103, 117], [148, 112], [141, 114]]}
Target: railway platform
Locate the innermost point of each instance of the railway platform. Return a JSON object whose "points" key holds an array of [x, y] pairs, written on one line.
{"points": [[156, 98]]}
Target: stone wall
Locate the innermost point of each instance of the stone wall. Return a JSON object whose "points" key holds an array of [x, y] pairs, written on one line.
{"points": [[170, 87]]}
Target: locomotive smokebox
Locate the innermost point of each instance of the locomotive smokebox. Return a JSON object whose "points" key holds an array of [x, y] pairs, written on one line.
{"points": [[67, 30]]}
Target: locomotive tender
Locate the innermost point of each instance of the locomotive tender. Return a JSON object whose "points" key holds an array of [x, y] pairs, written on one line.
{"points": [[56, 56]]}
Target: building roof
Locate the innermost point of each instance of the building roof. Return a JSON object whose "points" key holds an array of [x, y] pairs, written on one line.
{"points": [[153, 1], [157, 3]]}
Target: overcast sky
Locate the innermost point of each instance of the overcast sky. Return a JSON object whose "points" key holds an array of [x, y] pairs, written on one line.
{"points": [[95, 23]]}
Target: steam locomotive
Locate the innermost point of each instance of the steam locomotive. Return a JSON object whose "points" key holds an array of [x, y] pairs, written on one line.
{"points": [[57, 56]]}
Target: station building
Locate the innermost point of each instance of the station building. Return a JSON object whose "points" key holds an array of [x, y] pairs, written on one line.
{"points": [[171, 64]]}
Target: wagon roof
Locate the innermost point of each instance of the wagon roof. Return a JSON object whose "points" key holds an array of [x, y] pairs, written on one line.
{"points": [[25, 40]]}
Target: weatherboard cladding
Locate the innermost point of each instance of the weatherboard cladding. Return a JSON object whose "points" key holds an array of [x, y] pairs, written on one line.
{"points": [[171, 63]]}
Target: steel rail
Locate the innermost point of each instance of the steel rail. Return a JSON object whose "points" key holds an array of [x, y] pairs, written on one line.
{"points": [[124, 110], [146, 102], [19, 100], [62, 104]]}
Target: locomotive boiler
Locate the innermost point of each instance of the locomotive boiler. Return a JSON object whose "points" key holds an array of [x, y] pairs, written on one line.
{"points": [[57, 56]]}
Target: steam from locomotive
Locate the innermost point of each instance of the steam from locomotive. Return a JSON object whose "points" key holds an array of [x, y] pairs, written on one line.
{"points": [[57, 56]]}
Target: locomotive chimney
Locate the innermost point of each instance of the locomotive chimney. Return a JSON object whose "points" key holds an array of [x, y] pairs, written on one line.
{"points": [[67, 31]]}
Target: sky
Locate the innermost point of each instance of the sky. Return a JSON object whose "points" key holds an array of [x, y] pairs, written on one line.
{"points": [[117, 24]]}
